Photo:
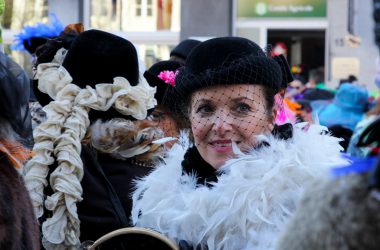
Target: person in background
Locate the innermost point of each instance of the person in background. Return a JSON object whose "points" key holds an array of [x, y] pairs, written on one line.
{"points": [[346, 109], [95, 140], [179, 53], [341, 211], [316, 79], [350, 79], [316, 88], [18, 227], [162, 76], [32, 39], [21, 79], [296, 88]]}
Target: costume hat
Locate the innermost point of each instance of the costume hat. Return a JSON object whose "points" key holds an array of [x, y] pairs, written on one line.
{"points": [[162, 75], [183, 49], [230, 60]]}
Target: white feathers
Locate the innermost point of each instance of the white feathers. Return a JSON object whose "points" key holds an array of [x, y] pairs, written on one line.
{"points": [[236, 149], [249, 204]]}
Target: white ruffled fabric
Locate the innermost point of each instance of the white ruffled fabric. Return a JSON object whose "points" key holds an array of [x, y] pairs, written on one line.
{"points": [[251, 201], [61, 136]]}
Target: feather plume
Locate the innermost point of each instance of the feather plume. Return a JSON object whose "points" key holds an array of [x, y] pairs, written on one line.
{"points": [[249, 204]]}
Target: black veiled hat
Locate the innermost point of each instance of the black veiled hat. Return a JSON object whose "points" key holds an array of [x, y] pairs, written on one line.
{"points": [[162, 87], [230, 60], [97, 57], [183, 49]]}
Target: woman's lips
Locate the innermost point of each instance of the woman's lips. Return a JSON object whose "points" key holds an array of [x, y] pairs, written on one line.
{"points": [[221, 146]]}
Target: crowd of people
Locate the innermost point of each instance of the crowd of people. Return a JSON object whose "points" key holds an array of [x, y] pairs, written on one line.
{"points": [[221, 146]]}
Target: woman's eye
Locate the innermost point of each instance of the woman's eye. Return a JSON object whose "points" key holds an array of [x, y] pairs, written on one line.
{"points": [[243, 108], [155, 116], [205, 109]]}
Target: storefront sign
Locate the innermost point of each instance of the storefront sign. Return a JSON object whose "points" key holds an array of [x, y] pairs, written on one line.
{"points": [[342, 67], [281, 8]]}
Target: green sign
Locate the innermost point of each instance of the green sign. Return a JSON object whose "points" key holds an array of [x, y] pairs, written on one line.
{"points": [[281, 8]]}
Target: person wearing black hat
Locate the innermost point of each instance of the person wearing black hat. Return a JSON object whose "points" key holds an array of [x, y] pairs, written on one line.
{"points": [[33, 37], [237, 179], [180, 52], [94, 142], [19, 229], [41, 48], [162, 75]]}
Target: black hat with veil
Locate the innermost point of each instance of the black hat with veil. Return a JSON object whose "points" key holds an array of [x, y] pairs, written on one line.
{"points": [[228, 61], [229, 84]]}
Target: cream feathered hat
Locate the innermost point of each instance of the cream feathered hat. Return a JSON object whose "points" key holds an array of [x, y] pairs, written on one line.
{"points": [[98, 77]]}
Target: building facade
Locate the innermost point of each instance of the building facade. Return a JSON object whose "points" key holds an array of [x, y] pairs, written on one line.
{"points": [[152, 25], [335, 35]]}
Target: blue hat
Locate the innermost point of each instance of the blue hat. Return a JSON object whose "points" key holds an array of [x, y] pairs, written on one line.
{"points": [[347, 108], [31, 37]]}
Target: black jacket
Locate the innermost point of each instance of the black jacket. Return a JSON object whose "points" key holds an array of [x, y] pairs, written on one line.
{"points": [[107, 187]]}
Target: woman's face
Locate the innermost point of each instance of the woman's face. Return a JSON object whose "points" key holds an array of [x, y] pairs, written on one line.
{"points": [[224, 114], [163, 119]]}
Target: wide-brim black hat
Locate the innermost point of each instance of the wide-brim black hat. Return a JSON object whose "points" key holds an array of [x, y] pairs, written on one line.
{"points": [[162, 87], [98, 57], [230, 60], [183, 49]]}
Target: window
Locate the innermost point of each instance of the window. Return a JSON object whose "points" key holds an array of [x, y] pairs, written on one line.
{"points": [[144, 8], [138, 7], [149, 8]]}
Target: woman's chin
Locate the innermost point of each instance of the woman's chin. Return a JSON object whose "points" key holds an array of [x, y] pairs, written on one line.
{"points": [[220, 161]]}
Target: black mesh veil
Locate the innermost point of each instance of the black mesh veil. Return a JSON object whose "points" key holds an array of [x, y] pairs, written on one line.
{"points": [[14, 98], [226, 93]]}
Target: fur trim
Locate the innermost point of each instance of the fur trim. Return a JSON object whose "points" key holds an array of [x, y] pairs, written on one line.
{"points": [[341, 213], [126, 139], [250, 203]]}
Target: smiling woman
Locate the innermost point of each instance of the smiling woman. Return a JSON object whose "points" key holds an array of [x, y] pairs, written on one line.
{"points": [[222, 116], [236, 181]]}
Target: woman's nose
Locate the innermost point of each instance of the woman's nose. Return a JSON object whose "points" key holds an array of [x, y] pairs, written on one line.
{"points": [[222, 122]]}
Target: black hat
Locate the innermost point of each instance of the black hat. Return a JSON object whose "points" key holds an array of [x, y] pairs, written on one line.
{"points": [[229, 60], [33, 43], [183, 49], [313, 94], [152, 76], [97, 57]]}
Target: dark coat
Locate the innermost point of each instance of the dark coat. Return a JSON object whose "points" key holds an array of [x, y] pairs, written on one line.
{"points": [[18, 226], [107, 187]]}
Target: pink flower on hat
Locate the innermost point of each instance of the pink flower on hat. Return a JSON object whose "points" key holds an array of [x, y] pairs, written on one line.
{"points": [[168, 76]]}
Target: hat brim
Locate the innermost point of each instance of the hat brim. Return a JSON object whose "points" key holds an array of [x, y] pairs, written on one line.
{"points": [[256, 70]]}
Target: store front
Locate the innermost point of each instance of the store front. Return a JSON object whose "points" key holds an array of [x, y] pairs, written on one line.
{"points": [[296, 28]]}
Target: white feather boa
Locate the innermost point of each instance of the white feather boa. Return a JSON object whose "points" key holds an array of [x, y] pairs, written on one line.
{"points": [[250, 203]]}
